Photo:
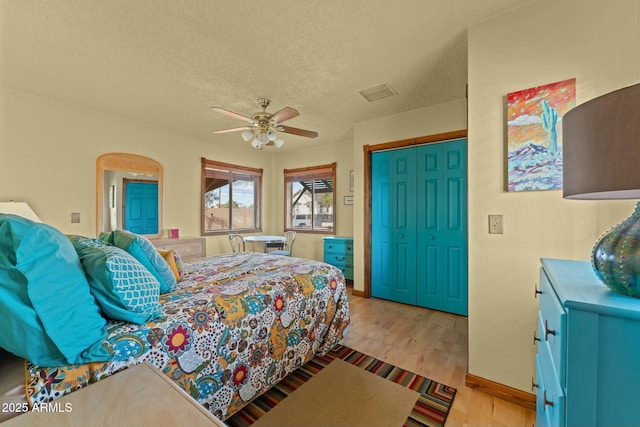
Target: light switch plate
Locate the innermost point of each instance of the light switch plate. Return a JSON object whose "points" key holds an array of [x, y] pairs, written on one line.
{"points": [[495, 224], [75, 217]]}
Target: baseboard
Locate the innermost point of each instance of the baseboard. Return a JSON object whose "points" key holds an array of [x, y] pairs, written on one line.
{"points": [[510, 394], [357, 293]]}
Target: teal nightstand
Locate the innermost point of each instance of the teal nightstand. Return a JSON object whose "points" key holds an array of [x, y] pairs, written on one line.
{"points": [[338, 251]]}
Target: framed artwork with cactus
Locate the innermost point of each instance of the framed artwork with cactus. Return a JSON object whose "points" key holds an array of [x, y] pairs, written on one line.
{"points": [[534, 135]]}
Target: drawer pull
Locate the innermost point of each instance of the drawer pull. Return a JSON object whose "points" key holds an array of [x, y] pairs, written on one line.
{"points": [[547, 402], [535, 337], [548, 331], [340, 258], [533, 385], [537, 291]]}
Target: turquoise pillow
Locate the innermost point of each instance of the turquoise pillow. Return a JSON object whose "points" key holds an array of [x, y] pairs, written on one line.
{"points": [[47, 313], [144, 251], [124, 288]]}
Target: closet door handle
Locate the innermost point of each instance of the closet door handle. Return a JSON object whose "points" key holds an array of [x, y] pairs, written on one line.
{"points": [[402, 236], [533, 385], [535, 338], [537, 291]]}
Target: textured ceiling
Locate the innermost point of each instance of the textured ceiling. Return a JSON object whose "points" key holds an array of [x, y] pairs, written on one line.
{"points": [[168, 62]]}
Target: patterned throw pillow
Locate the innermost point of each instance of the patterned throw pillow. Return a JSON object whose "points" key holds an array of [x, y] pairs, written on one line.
{"points": [[124, 288], [144, 251]]}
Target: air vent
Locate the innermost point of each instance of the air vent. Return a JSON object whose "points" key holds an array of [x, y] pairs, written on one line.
{"points": [[377, 92]]}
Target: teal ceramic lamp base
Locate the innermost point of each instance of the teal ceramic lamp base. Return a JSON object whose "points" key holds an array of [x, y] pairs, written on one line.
{"points": [[616, 256]]}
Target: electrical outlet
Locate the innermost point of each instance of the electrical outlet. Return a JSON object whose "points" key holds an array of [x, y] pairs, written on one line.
{"points": [[75, 217], [495, 224]]}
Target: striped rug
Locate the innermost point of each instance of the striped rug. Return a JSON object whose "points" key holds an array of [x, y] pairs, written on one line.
{"points": [[431, 408]]}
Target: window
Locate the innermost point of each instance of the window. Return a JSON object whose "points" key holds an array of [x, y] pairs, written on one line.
{"points": [[310, 198], [230, 198]]}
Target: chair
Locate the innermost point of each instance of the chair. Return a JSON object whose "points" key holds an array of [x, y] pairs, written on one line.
{"points": [[288, 245], [237, 242]]}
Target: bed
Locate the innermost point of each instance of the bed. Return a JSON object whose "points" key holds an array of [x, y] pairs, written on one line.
{"points": [[231, 328]]}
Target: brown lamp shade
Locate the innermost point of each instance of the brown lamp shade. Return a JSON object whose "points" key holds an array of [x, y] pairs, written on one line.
{"points": [[601, 147]]}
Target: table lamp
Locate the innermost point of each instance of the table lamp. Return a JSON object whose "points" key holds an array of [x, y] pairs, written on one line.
{"points": [[601, 161], [19, 208]]}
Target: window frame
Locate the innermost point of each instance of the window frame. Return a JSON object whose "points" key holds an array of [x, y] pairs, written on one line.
{"points": [[256, 173], [309, 173]]}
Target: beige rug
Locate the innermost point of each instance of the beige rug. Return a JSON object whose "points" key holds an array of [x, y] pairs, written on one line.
{"points": [[322, 401]]}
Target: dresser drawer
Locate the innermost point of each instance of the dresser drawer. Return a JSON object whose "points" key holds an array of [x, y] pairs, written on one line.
{"points": [[552, 326], [550, 399]]}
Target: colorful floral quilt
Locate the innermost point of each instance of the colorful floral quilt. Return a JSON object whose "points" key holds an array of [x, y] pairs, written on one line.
{"points": [[235, 326]]}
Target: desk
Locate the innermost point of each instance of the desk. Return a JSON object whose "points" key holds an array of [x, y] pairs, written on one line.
{"points": [[265, 240]]}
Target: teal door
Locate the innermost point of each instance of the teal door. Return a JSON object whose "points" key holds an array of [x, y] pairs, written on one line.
{"points": [[442, 226], [394, 226], [419, 226], [141, 207]]}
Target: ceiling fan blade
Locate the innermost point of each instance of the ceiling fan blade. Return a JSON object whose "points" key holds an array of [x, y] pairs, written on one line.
{"points": [[296, 131], [285, 114], [232, 129], [232, 114]]}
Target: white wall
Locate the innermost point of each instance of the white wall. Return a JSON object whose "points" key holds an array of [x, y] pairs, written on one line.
{"points": [[596, 42]]}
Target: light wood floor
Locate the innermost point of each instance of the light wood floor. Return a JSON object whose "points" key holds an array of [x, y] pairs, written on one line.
{"points": [[434, 345]]}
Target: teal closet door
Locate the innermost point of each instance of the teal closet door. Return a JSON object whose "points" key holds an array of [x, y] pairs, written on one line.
{"points": [[442, 270], [419, 247], [393, 232]]}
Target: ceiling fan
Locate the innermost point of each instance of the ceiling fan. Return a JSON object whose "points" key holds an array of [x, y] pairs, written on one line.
{"points": [[263, 126]]}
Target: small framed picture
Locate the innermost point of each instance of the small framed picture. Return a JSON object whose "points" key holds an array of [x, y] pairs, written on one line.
{"points": [[352, 179], [348, 200]]}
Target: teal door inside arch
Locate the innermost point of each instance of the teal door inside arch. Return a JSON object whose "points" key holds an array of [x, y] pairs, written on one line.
{"points": [[419, 226], [141, 207]]}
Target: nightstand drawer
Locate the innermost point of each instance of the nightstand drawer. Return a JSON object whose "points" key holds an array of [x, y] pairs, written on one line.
{"points": [[337, 259], [346, 271], [338, 247]]}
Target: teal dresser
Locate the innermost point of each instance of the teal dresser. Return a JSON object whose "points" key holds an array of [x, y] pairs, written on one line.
{"points": [[588, 359], [338, 251]]}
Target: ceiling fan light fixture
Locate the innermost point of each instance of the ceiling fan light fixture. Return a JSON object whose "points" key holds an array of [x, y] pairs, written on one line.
{"points": [[263, 127], [247, 134]]}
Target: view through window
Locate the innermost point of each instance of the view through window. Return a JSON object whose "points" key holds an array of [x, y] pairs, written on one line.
{"points": [[310, 198], [230, 197]]}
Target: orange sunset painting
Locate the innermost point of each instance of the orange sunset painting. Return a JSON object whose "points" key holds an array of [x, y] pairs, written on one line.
{"points": [[535, 135]]}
